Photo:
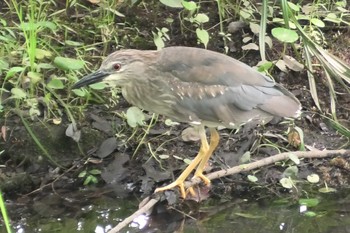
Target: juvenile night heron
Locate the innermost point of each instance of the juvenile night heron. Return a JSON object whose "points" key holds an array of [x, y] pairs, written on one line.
{"points": [[197, 86]]}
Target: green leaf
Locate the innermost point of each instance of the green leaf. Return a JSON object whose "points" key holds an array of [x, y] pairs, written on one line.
{"points": [[55, 84], [41, 54], [285, 35], [294, 158], [317, 22], [291, 171], [66, 63], [245, 157], [252, 178], [18, 93], [4, 64], [172, 3], [203, 36], [34, 77], [331, 17], [82, 174], [79, 92], [47, 24], [310, 202], [97, 86], [95, 172], [13, 71], [201, 18], [313, 178], [135, 117], [158, 40], [265, 66], [310, 214], [286, 183], [293, 6], [190, 6]]}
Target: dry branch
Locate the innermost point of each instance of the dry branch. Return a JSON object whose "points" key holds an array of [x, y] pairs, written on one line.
{"points": [[234, 170]]}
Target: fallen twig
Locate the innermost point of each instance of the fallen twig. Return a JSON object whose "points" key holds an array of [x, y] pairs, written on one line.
{"points": [[234, 170]]}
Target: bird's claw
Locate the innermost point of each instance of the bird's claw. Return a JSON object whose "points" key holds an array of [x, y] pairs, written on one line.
{"points": [[181, 185]]}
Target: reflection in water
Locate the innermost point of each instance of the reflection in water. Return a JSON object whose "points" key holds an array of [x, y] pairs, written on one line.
{"points": [[100, 214]]}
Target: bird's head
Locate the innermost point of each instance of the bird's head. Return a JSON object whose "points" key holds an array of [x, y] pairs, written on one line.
{"points": [[120, 68]]}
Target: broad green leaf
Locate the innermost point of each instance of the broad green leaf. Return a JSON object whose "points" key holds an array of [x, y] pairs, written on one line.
{"points": [[286, 183], [55, 84], [255, 28], [95, 172], [265, 66], [317, 22], [13, 71], [135, 117], [245, 157], [97, 86], [34, 77], [66, 63], [4, 64], [331, 17], [41, 54], [313, 178], [190, 6], [82, 174], [245, 14], [201, 18], [293, 6], [47, 24], [310, 202], [310, 214], [294, 158], [291, 171], [158, 41], [172, 3], [79, 92], [285, 35], [18, 93], [252, 178], [203, 36]]}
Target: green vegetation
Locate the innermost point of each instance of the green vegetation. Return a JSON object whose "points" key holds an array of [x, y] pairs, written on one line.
{"points": [[46, 46]]}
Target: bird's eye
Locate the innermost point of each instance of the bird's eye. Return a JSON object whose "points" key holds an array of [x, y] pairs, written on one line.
{"points": [[117, 66]]}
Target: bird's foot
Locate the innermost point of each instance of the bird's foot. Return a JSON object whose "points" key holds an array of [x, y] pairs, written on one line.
{"points": [[200, 175], [178, 183], [205, 180]]}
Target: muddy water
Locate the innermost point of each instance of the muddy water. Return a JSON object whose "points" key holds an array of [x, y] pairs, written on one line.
{"points": [[51, 213]]}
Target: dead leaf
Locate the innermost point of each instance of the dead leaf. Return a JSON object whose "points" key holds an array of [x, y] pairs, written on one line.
{"points": [[73, 132], [190, 134], [293, 64], [107, 147]]}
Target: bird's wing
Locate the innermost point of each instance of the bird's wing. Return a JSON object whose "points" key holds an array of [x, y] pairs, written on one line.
{"points": [[208, 67], [217, 88]]}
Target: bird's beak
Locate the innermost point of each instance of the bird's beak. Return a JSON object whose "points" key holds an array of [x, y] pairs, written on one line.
{"points": [[91, 79]]}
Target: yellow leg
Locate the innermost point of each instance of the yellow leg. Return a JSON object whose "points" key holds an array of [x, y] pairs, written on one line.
{"points": [[198, 159], [214, 141]]}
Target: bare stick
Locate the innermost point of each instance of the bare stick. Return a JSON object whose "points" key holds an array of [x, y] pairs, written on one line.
{"points": [[234, 170]]}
